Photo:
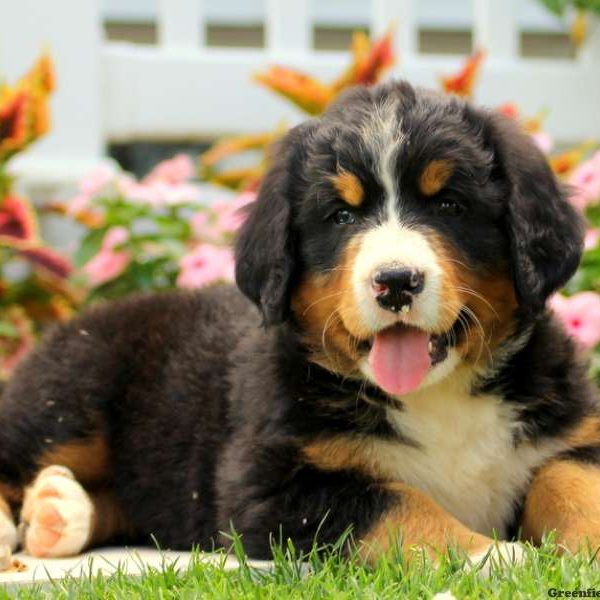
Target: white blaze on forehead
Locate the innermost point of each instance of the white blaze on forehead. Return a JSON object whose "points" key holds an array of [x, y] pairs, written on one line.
{"points": [[382, 134], [393, 245]]}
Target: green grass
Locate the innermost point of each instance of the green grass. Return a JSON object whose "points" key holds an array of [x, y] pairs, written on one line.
{"points": [[335, 577]]}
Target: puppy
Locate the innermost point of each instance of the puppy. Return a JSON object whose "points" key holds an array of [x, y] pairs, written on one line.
{"points": [[389, 365]]}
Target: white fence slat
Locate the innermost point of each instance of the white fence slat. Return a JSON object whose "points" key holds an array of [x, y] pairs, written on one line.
{"points": [[495, 28], [179, 23], [399, 14], [589, 54], [288, 25], [212, 93]]}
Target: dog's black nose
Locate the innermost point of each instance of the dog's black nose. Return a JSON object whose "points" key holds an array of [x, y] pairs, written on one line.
{"points": [[395, 288]]}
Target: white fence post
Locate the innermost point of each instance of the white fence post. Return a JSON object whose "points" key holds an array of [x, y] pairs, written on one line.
{"points": [[180, 23], [71, 30], [495, 28], [399, 14], [288, 26]]}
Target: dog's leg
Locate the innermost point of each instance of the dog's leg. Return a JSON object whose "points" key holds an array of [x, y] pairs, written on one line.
{"points": [[319, 506], [421, 525], [60, 518], [564, 496]]}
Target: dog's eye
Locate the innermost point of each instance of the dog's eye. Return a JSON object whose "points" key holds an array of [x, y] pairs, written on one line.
{"points": [[448, 208], [344, 217]]}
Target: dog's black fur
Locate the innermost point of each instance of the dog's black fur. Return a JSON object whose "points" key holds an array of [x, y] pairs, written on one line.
{"points": [[205, 402]]}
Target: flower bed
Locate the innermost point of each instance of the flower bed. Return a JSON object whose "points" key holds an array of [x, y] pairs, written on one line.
{"points": [[159, 232]]}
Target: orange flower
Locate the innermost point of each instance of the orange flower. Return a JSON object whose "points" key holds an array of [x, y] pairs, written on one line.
{"points": [[369, 62], [230, 146], [579, 28], [562, 164], [14, 121], [463, 82], [40, 115], [239, 178], [41, 75], [509, 109], [55, 308], [305, 91], [89, 217], [24, 111], [18, 226]]}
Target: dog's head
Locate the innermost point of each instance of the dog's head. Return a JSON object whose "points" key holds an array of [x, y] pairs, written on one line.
{"points": [[405, 232]]}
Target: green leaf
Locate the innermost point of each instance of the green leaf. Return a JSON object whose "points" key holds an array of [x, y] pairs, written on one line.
{"points": [[556, 7], [173, 228], [89, 246], [7, 329], [588, 5]]}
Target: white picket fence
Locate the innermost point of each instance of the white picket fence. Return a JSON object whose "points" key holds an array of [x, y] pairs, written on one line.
{"points": [[180, 88]]}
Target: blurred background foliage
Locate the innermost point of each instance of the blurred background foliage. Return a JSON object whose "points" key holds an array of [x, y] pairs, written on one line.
{"points": [[164, 230]]}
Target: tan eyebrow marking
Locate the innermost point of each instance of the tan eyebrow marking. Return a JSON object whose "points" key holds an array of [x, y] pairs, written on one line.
{"points": [[349, 187], [435, 176]]}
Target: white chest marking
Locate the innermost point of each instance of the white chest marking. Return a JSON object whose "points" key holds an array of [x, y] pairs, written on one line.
{"points": [[465, 460]]}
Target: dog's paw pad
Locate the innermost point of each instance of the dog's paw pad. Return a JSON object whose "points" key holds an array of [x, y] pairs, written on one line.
{"points": [[499, 554], [57, 514], [8, 531]]}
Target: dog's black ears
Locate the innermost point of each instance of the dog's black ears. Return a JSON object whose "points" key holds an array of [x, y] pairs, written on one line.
{"points": [[545, 231], [265, 246]]}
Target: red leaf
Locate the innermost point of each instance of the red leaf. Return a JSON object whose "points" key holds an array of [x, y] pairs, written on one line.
{"points": [[17, 222]]}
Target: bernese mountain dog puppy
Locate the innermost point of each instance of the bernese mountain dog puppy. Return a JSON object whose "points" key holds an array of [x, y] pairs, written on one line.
{"points": [[387, 364]]}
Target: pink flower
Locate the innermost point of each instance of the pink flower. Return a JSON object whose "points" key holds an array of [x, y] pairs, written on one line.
{"points": [[230, 215], [580, 314], [200, 224], [223, 218], [586, 181], [591, 239], [93, 183], [543, 141], [176, 170], [157, 192], [206, 264], [90, 186], [108, 263]]}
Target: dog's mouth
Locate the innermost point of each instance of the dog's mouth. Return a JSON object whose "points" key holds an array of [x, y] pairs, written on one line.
{"points": [[400, 356]]}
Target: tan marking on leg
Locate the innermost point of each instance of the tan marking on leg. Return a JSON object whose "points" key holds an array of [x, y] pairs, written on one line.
{"points": [[349, 187], [564, 496], [434, 177], [13, 495], [87, 459], [340, 453], [586, 432], [418, 524], [109, 520]]}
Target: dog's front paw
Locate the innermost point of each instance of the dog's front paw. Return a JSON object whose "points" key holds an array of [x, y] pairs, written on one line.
{"points": [[57, 514], [498, 554]]}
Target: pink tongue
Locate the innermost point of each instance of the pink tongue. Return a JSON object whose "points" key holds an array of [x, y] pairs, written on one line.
{"points": [[400, 359]]}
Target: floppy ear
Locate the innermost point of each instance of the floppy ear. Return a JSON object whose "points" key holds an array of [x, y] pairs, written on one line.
{"points": [[265, 246], [545, 231]]}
